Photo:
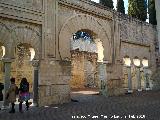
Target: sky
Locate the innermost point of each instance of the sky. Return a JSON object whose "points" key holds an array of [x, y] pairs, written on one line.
{"points": [[115, 3]]}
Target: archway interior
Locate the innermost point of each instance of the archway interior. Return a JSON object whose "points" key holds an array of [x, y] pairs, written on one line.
{"points": [[22, 65], [86, 52]]}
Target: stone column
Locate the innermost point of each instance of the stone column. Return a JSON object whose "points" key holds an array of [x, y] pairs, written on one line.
{"points": [[7, 74], [157, 6], [35, 64], [103, 78], [146, 79], [138, 79], [129, 79]]}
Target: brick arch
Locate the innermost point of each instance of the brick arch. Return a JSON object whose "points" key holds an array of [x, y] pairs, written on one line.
{"points": [[84, 22], [27, 35]]}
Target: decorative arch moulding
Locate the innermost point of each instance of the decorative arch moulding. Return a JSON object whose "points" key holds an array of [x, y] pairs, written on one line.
{"points": [[16, 32], [102, 34], [88, 7]]}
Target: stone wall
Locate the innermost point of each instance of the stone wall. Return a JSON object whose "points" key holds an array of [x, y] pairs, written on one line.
{"points": [[27, 4], [157, 6], [54, 82], [84, 70], [114, 87], [71, 20], [48, 26], [78, 70], [137, 39]]}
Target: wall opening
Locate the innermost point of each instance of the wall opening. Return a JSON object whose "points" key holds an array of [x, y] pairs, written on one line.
{"points": [[86, 51], [22, 65]]}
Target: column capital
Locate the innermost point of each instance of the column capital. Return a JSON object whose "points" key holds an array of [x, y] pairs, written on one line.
{"points": [[128, 66], [8, 60], [35, 63], [146, 67]]}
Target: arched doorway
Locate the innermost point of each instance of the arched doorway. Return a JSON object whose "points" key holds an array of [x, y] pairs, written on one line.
{"points": [[22, 65], [10, 38], [28, 40], [86, 52], [96, 30]]}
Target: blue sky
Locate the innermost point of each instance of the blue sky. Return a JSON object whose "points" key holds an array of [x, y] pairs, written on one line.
{"points": [[115, 2]]}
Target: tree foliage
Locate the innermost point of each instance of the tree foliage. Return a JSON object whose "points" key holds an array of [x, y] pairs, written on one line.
{"points": [[120, 6], [138, 9], [108, 3], [152, 12]]}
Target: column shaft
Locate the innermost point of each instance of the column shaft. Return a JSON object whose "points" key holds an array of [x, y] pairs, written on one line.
{"points": [[129, 79], [7, 74], [35, 86], [138, 79], [35, 64], [103, 78]]}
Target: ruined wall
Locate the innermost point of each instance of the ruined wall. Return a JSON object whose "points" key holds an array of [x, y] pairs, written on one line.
{"points": [[83, 70], [125, 36], [54, 82], [55, 22], [137, 39], [19, 32], [77, 70], [72, 18]]}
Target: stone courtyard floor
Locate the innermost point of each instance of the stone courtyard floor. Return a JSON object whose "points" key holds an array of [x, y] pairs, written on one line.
{"points": [[90, 106]]}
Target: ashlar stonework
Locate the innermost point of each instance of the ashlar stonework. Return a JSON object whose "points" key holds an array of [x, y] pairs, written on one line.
{"points": [[48, 27]]}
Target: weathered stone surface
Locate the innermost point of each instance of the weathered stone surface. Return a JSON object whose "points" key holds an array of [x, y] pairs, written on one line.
{"points": [[49, 25], [27, 4], [53, 94], [114, 87], [84, 72]]}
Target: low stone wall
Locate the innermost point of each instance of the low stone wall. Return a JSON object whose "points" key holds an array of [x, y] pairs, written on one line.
{"points": [[54, 82], [114, 87], [53, 94]]}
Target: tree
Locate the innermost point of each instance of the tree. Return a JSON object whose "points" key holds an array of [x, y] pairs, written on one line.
{"points": [[120, 6], [152, 12], [138, 9], [108, 3]]}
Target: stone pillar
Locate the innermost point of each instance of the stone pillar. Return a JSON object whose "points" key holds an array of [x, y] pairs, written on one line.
{"points": [[35, 64], [157, 6], [129, 79], [94, 63], [103, 78], [7, 74], [146, 79], [138, 79]]}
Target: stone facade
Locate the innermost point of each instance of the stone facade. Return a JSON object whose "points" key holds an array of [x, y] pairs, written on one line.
{"points": [[49, 25], [84, 70]]}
